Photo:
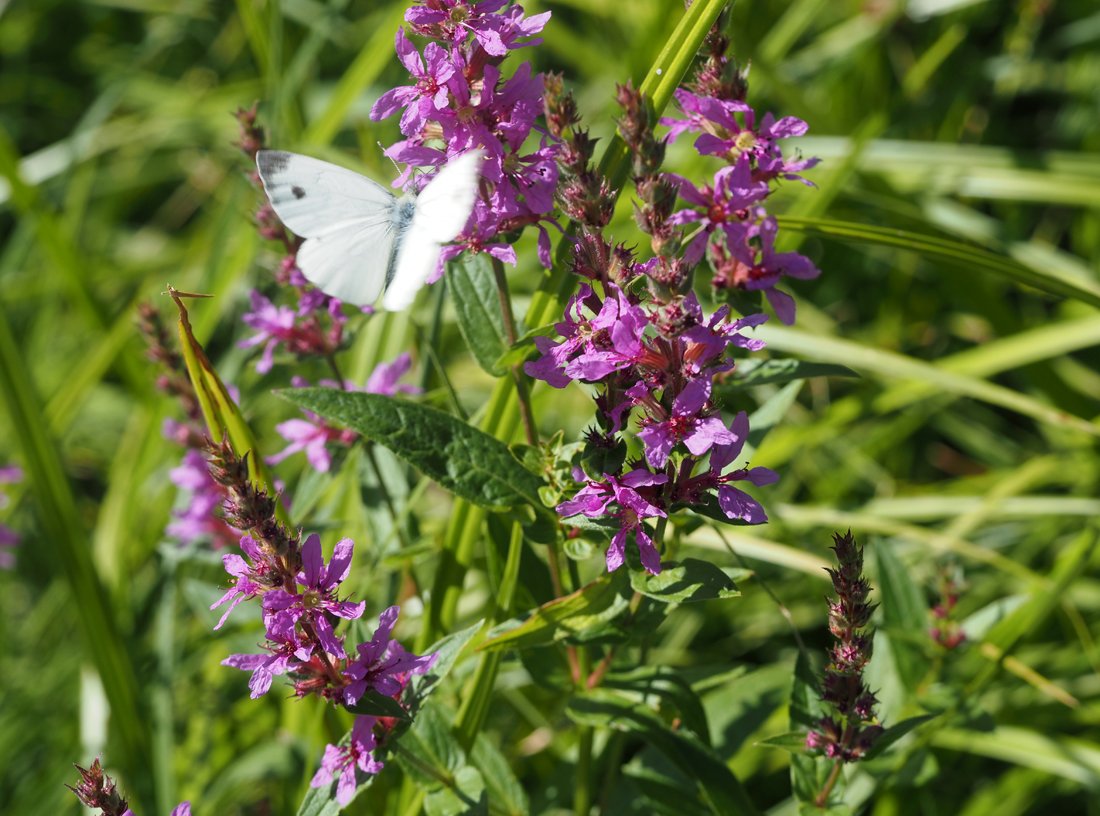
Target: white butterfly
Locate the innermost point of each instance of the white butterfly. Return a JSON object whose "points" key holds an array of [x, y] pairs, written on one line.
{"points": [[360, 238]]}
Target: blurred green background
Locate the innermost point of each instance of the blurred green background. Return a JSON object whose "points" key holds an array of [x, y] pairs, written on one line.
{"points": [[956, 223]]}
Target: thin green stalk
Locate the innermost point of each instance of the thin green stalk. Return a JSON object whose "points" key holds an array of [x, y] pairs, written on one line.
{"points": [[518, 377], [475, 703]]}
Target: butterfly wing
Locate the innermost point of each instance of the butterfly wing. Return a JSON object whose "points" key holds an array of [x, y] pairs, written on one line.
{"points": [[347, 220], [442, 210]]}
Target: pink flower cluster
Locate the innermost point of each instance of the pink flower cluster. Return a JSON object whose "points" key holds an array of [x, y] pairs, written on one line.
{"points": [[662, 361], [9, 539], [727, 214], [460, 99], [299, 613]]}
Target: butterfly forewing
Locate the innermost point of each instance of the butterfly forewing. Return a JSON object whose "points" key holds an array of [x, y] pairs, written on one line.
{"points": [[313, 197]]}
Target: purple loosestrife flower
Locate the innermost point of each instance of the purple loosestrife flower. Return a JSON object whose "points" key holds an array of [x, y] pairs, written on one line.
{"points": [[281, 656], [736, 504], [753, 264], [722, 135], [9, 539], [383, 664], [455, 20], [253, 577], [317, 599], [725, 207], [597, 497], [340, 761], [689, 423], [428, 95], [280, 325]]}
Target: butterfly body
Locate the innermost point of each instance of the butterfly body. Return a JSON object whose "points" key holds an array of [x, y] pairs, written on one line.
{"points": [[361, 240]]}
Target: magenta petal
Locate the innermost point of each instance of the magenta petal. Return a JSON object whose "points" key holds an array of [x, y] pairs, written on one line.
{"points": [[651, 559], [783, 305], [312, 563], [616, 551], [692, 399], [739, 505], [708, 432]]}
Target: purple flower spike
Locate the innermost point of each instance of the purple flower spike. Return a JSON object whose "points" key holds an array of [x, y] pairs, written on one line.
{"points": [[340, 761], [282, 609]]}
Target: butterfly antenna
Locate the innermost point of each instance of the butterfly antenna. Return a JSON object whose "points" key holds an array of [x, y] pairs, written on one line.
{"points": [[395, 165]]}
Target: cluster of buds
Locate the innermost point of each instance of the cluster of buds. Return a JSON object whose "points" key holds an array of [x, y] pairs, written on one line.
{"points": [[460, 100], [97, 790], [946, 630], [300, 602], [851, 730]]}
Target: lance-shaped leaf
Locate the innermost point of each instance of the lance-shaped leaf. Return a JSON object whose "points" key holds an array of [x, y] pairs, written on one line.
{"points": [[219, 411], [477, 304], [464, 460]]}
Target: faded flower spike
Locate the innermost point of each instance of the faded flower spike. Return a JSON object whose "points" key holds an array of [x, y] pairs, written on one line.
{"points": [[851, 730]]}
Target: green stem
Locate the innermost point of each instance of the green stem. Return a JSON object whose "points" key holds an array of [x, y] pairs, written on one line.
{"points": [[475, 703], [582, 795], [518, 377]]}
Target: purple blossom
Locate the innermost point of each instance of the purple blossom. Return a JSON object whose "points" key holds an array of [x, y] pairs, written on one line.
{"points": [[592, 347], [726, 206], [737, 504], [249, 576], [721, 134], [281, 656], [595, 499], [427, 95], [182, 809], [753, 264], [688, 423], [317, 599], [383, 664], [340, 761], [455, 20], [300, 332], [200, 519], [461, 96]]}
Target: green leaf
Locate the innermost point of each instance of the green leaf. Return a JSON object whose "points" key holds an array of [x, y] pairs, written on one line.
{"points": [[578, 615], [524, 348], [967, 257], [895, 732], [751, 373], [793, 742], [465, 795], [464, 460], [669, 686], [808, 772], [477, 304], [373, 704], [716, 783], [505, 791], [768, 415], [1069, 758], [904, 614], [688, 581], [448, 650]]}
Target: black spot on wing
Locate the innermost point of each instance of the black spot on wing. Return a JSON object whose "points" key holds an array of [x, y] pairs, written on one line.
{"points": [[298, 192]]}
